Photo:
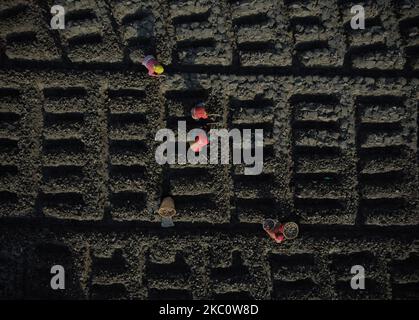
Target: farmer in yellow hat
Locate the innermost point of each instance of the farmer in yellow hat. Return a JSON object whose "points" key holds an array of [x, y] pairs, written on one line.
{"points": [[155, 69]]}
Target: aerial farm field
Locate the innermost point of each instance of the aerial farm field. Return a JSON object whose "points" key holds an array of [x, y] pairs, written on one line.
{"points": [[80, 187]]}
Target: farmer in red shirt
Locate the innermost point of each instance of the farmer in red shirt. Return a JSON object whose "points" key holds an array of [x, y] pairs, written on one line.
{"points": [[280, 232]]}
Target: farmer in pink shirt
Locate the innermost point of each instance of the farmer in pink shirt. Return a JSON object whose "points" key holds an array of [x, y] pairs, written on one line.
{"points": [[155, 69]]}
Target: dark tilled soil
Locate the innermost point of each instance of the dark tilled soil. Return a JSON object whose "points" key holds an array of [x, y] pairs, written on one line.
{"points": [[79, 185]]}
